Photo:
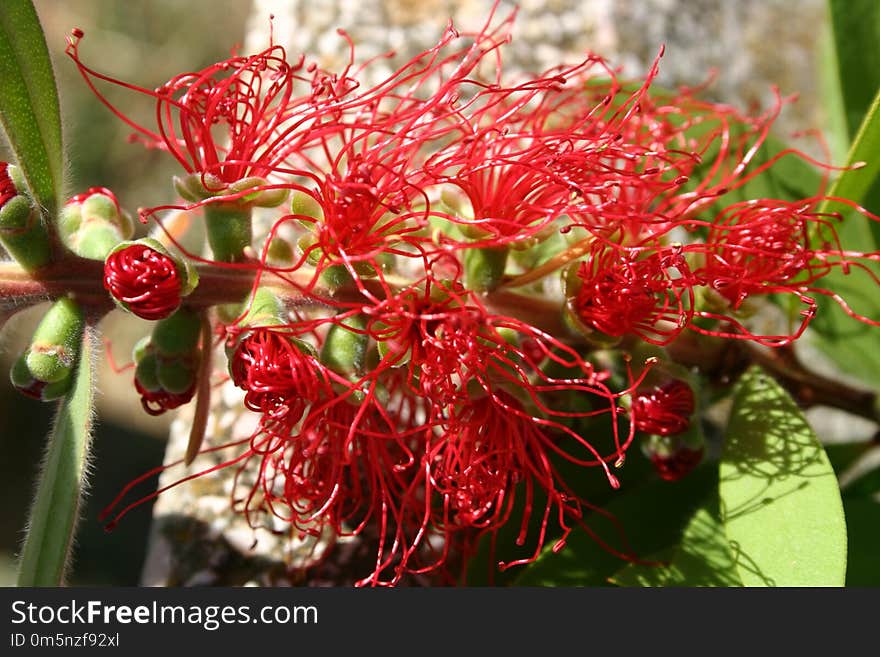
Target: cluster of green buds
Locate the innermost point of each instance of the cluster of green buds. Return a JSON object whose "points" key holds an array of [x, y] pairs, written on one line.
{"points": [[167, 362], [23, 230], [44, 370]]}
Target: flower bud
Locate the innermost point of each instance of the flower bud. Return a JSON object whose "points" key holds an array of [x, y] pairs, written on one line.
{"points": [[665, 410], [345, 347], [674, 457], [178, 334], [145, 280], [44, 370], [484, 268], [92, 224], [167, 362], [23, 232]]}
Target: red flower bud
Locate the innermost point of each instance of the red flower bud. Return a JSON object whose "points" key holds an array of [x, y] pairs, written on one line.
{"points": [[156, 402], [678, 464], [666, 410], [144, 281]]}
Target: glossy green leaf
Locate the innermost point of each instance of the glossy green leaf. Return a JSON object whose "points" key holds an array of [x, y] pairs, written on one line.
{"points": [[641, 521], [855, 28], [852, 84], [780, 501], [56, 506], [29, 109], [702, 559], [852, 344]]}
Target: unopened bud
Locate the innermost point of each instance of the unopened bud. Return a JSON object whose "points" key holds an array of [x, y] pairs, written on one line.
{"points": [[44, 370], [23, 231], [345, 347], [146, 280], [92, 224]]}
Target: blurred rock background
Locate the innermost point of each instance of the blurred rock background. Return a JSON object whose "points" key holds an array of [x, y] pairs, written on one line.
{"points": [[751, 44]]}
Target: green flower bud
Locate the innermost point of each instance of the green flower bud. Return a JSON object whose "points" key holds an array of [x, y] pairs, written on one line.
{"points": [[345, 347], [484, 268], [140, 349], [146, 371], [263, 309], [55, 346], [176, 375], [23, 231], [92, 224], [177, 335], [24, 381]]}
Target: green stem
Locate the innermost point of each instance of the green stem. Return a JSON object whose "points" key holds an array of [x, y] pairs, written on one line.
{"points": [[56, 507]]}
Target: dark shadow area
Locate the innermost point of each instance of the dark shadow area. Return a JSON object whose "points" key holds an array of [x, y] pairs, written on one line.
{"points": [[118, 455]]}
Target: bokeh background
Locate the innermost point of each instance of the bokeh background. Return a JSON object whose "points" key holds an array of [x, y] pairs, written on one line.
{"points": [[752, 44]]}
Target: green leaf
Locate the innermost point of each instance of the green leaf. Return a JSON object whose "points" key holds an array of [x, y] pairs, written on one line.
{"points": [[586, 483], [646, 519], [863, 524], [853, 84], [862, 161], [780, 501], [29, 109], [855, 37], [702, 559], [56, 506]]}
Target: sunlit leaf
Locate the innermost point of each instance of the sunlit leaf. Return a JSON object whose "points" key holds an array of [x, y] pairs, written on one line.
{"points": [[780, 501], [702, 559], [646, 519]]}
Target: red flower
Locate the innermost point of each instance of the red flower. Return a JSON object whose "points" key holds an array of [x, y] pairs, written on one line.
{"points": [[144, 281], [649, 296], [281, 378], [250, 98], [665, 410]]}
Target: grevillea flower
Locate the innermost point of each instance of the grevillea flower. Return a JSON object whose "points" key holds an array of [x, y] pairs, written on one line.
{"points": [[144, 281], [664, 410]]}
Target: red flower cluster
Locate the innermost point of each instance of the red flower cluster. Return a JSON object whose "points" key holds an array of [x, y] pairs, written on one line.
{"points": [[415, 402]]}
